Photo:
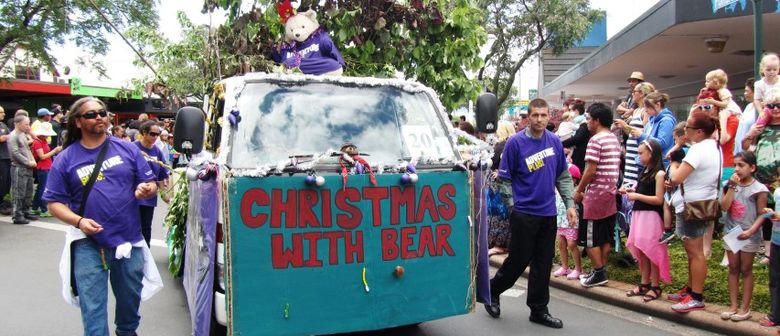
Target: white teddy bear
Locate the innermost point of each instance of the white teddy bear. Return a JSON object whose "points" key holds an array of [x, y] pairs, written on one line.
{"points": [[308, 47]]}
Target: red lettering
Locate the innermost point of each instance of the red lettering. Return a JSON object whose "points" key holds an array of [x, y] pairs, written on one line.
{"points": [[427, 203], [447, 208], [426, 242], [326, 213], [333, 245], [351, 221], [282, 257], [288, 208], [307, 199], [442, 244], [407, 241], [248, 200], [389, 248], [375, 194], [402, 197], [312, 237], [353, 249]]}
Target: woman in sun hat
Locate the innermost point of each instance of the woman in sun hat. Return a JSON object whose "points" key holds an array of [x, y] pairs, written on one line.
{"points": [[43, 154]]}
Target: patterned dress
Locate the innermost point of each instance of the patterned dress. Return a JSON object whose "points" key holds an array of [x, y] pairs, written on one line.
{"points": [[768, 157], [632, 167], [498, 220]]}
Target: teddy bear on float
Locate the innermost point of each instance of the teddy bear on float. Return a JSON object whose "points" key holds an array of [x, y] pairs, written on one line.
{"points": [[307, 46]]}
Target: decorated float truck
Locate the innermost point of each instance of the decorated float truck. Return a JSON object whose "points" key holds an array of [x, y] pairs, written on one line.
{"points": [[325, 204]]}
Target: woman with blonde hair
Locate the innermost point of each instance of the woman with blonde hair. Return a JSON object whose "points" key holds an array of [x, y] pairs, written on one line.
{"points": [[566, 128], [634, 128]]}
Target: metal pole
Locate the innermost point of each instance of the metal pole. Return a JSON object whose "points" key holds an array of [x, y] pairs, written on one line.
{"points": [[758, 36]]}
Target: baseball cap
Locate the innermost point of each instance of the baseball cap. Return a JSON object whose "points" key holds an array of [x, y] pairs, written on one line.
{"points": [[44, 112]]}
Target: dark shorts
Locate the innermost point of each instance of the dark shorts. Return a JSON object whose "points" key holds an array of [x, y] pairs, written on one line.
{"points": [[596, 232], [766, 229]]}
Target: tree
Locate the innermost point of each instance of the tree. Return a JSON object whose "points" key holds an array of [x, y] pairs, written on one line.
{"points": [[521, 29], [434, 43], [38, 25], [183, 67]]}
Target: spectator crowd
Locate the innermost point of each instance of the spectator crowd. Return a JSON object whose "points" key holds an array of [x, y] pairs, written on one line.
{"points": [[653, 176]]}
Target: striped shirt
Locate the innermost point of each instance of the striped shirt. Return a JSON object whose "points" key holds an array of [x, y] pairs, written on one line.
{"points": [[632, 167], [603, 149]]}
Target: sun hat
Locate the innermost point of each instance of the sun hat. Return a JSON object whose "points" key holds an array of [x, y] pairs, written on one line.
{"points": [[45, 129], [637, 75]]}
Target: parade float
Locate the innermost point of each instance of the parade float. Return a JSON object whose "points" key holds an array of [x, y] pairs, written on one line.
{"points": [[326, 204]]}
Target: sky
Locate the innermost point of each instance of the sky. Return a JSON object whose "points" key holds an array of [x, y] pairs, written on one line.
{"points": [[119, 58]]}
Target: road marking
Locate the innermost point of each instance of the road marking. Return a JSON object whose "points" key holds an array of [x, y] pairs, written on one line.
{"points": [[63, 228]]}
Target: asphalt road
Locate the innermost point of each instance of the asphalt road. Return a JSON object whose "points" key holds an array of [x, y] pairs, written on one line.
{"points": [[31, 302]]}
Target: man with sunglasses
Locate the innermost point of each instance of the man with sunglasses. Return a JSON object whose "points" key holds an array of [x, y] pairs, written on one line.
{"points": [[104, 239]]}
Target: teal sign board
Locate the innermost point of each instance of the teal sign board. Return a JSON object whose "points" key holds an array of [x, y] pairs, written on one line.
{"points": [[316, 260]]}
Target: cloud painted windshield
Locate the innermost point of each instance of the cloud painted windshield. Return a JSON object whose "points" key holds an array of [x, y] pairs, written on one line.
{"points": [[386, 122]]}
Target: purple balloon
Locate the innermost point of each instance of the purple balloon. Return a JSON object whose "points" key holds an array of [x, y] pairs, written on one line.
{"points": [[234, 117], [405, 179]]}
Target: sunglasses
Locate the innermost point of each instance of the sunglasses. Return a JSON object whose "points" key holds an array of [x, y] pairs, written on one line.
{"points": [[773, 106], [93, 114], [154, 134]]}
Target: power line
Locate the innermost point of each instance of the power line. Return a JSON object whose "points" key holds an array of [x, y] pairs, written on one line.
{"points": [[143, 59]]}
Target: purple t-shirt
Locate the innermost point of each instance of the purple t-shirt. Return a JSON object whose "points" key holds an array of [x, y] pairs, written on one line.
{"points": [[316, 56], [112, 202], [160, 172], [533, 166]]}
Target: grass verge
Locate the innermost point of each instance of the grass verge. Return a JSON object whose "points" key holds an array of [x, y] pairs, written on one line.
{"points": [[716, 288]]}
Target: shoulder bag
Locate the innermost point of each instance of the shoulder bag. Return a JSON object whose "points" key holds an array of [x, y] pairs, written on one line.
{"points": [[704, 210]]}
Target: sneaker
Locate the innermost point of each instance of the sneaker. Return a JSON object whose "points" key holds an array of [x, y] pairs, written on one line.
{"points": [[667, 237], [35, 212], [688, 304], [766, 322], [21, 220], [679, 296], [561, 272], [585, 275], [573, 275], [31, 216], [45, 214], [595, 279]]}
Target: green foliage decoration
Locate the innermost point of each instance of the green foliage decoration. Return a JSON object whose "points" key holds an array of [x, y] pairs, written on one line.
{"points": [[176, 223]]}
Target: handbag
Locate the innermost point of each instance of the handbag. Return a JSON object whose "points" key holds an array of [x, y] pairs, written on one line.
{"points": [[704, 210]]}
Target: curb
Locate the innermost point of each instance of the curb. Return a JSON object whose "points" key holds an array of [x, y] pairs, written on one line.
{"points": [[614, 293]]}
